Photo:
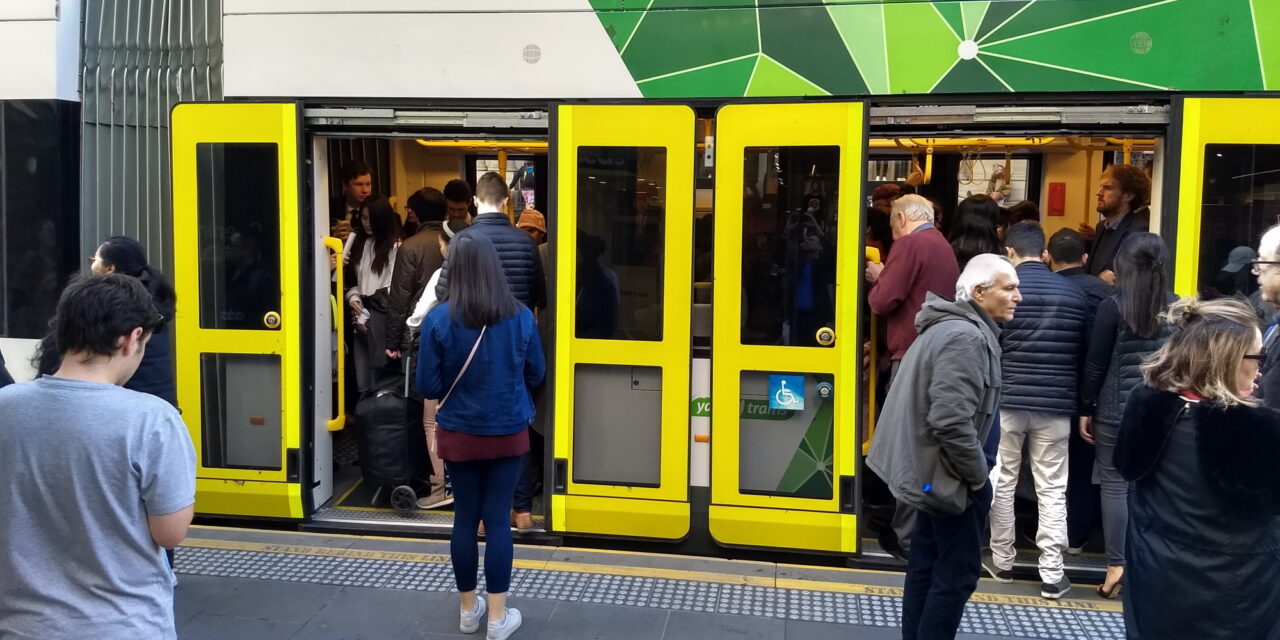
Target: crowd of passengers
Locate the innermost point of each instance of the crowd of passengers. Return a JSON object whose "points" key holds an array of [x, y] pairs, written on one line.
{"points": [[999, 342], [1074, 354]]}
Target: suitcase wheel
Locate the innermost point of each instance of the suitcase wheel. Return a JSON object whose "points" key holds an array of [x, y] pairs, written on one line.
{"points": [[403, 499]]}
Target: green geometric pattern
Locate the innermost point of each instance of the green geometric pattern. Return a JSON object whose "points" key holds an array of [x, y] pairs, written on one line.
{"points": [[809, 475], [735, 48]]}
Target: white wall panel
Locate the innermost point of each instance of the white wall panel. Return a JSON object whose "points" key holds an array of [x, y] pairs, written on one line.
{"points": [[40, 44], [421, 55]]}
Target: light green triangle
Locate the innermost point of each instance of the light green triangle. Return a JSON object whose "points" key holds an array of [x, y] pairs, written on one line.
{"points": [[973, 13], [921, 47], [862, 29], [773, 79], [1266, 20]]}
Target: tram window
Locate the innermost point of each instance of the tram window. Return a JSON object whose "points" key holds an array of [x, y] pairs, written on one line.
{"points": [[617, 425], [789, 243], [1241, 200], [240, 411], [621, 240], [239, 231], [786, 451]]}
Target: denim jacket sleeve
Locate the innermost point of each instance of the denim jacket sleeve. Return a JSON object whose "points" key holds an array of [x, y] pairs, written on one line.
{"points": [[430, 361], [535, 363]]}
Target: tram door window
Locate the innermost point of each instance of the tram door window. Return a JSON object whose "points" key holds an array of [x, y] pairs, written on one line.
{"points": [[789, 244], [1241, 200], [1228, 190]]}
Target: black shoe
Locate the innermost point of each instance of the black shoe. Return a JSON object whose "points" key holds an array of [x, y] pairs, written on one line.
{"points": [[1055, 591], [889, 542], [1003, 576]]}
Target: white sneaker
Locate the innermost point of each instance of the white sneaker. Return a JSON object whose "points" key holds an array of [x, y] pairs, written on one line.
{"points": [[470, 620], [503, 630]]}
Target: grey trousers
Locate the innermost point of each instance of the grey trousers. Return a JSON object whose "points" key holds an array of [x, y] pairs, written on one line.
{"points": [[1115, 492]]}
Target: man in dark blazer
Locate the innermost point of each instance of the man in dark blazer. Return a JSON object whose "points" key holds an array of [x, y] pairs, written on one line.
{"points": [[1123, 196]]}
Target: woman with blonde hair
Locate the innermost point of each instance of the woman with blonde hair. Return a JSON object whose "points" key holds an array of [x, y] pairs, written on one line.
{"points": [[1203, 550]]}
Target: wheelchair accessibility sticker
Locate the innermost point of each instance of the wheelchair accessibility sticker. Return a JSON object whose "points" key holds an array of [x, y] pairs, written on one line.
{"points": [[786, 392]]}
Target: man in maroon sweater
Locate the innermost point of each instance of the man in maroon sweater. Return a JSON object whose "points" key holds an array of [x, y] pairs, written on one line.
{"points": [[921, 261]]}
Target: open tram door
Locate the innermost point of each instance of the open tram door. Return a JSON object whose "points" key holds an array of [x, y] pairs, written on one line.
{"points": [[774, 466], [238, 264], [1227, 186]]}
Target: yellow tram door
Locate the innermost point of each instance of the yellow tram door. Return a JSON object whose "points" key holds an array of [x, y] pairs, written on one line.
{"points": [[622, 307], [1227, 170], [237, 243], [785, 350]]}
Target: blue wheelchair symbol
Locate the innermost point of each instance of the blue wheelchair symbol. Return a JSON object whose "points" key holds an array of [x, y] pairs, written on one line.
{"points": [[786, 393]]}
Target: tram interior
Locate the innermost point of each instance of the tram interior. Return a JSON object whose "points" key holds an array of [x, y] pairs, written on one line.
{"points": [[1056, 174]]}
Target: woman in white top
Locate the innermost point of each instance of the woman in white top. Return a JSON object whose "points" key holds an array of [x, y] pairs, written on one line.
{"points": [[370, 255]]}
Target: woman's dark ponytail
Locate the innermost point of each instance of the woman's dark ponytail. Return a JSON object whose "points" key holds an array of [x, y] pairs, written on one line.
{"points": [[130, 258]]}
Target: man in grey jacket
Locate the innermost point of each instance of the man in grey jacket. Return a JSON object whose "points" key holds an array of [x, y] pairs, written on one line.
{"points": [[928, 444]]}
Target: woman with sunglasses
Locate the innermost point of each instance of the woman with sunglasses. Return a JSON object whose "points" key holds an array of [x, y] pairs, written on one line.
{"points": [[1126, 329], [1203, 550]]}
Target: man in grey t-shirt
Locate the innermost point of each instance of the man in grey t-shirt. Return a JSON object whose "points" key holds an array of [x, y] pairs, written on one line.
{"points": [[95, 480]]}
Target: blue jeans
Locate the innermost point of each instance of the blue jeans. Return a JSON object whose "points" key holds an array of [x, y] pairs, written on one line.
{"points": [[943, 569], [482, 491]]}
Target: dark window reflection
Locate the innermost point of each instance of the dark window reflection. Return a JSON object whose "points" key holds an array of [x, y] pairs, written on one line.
{"points": [[789, 244], [1241, 200], [239, 234], [39, 216], [621, 227]]}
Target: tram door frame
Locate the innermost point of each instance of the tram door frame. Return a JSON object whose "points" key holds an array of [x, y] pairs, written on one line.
{"points": [[1199, 121], [272, 489], [664, 511]]}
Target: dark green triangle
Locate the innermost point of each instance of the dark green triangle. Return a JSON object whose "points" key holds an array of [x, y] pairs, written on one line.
{"points": [[997, 13], [1046, 15], [1030, 77], [954, 16], [728, 80], [804, 40], [969, 76]]}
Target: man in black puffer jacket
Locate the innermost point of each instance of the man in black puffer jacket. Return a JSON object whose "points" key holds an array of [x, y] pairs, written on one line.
{"points": [[517, 251], [1041, 348]]}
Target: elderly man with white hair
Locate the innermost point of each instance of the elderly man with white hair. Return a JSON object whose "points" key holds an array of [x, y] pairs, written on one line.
{"points": [[1267, 269], [929, 441], [921, 262]]}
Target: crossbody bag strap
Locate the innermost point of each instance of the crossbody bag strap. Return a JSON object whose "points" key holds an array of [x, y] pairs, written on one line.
{"points": [[463, 370]]}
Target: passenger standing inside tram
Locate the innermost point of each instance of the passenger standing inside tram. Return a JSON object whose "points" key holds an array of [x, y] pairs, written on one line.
{"points": [[973, 230], [1203, 550], [1067, 254], [102, 479], [126, 256], [928, 444], [522, 267], [370, 254], [1267, 270], [921, 263], [1123, 194], [482, 357], [441, 492], [457, 196], [357, 187], [1127, 329]]}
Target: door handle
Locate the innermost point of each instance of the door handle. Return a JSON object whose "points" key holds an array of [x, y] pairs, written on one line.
{"points": [[826, 336], [271, 320], [340, 419]]}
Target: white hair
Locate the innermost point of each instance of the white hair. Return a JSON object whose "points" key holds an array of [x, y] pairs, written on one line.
{"points": [[1269, 245], [914, 207], [981, 273]]}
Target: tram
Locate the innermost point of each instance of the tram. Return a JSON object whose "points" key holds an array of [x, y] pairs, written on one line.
{"points": [[692, 137]]}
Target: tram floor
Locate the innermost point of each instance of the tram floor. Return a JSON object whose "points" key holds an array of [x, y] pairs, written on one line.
{"points": [[249, 583]]}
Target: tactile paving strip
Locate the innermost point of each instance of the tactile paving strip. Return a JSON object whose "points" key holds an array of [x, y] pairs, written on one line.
{"points": [[662, 593]]}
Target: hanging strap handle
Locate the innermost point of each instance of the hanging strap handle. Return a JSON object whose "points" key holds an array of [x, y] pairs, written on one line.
{"points": [[463, 370]]}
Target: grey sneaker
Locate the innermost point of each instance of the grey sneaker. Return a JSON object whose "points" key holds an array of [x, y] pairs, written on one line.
{"points": [[1055, 591], [503, 630], [470, 620], [1003, 576]]}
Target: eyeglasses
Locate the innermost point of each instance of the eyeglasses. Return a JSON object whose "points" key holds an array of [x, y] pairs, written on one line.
{"points": [[1259, 358], [1256, 265]]}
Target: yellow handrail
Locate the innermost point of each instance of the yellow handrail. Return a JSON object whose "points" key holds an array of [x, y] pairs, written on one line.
{"points": [[873, 255], [339, 421]]}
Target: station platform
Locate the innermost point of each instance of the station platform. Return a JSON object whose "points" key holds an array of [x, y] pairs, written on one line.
{"points": [[250, 583]]}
